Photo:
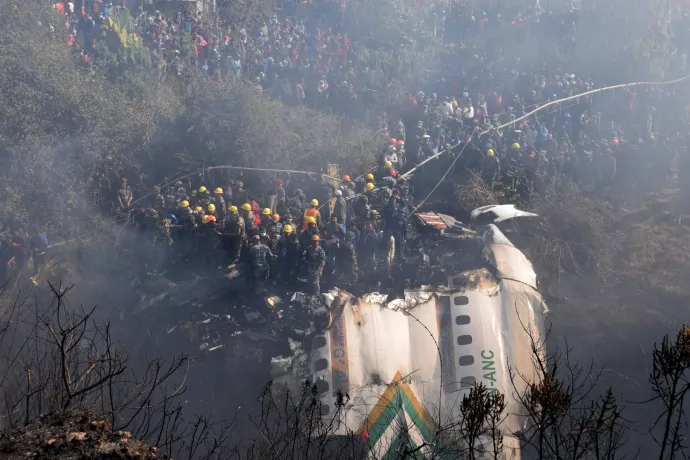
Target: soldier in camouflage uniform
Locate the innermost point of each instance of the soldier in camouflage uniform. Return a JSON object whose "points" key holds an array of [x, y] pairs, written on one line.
{"points": [[162, 240], [234, 226], [316, 261], [124, 198], [347, 259], [219, 201], [261, 257], [249, 222], [158, 200]]}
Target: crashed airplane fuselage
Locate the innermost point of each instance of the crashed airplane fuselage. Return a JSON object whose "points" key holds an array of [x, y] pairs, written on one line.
{"points": [[408, 363]]}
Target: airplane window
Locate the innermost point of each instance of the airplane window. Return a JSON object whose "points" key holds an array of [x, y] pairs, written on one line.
{"points": [[320, 365], [462, 320], [319, 341], [461, 300], [466, 360], [322, 386], [464, 340], [467, 382]]}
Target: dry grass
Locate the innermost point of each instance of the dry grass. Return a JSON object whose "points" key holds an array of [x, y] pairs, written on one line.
{"points": [[473, 194]]}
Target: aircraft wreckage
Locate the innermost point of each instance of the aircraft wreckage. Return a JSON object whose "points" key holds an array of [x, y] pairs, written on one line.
{"points": [[396, 358]]}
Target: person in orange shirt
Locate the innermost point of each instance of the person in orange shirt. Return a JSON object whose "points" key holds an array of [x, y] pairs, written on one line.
{"points": [[312, 211]]}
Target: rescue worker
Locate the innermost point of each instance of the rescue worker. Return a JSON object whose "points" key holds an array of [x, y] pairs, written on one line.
{"points": [[124, 195], [280, 194], [275, 225], [368, 247], [290, 254], [183, 209], [384, 171], [235, 228], [362, 208], [39, 248], [310, 231], [158, 200], [340, 207], [312, 211], [490, 168], [162, 240], [211, 208], [316, 260], [265, 220], [219, 202], [260, 256], [347, 260], [203, 196], [249, 220]]}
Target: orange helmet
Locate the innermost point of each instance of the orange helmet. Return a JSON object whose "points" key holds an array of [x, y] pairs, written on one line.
{"points": [[275, 217], [400, 143], [392, 140], [315, 238], [346, 178]]}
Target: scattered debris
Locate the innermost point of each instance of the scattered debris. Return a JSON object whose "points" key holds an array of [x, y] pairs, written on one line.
{"points": [[66, 436]]}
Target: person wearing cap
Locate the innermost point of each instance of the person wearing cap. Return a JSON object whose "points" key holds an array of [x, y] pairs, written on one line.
{"points": [[389, 156], [158, 200], [260, 256], [249, 220], [281, 196], [310, 231], [235, 228], [275, 225], [221, 207], [124, 195], [347, 260], [162, 239], [290, 254], [316, 261], [265, 219], [312, 211], [490, 167], [340, 207], [367, 248]]}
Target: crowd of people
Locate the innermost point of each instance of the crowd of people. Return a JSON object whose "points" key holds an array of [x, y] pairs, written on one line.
{"points": [[284, 235], [309, 61], [353, 230]]}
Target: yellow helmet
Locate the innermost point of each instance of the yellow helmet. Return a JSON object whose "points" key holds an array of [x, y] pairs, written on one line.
{"points": [[388, 164], [370, 176], [218, 191], [232, 209], [247, 207], [370, 187], [198, 209], [490, 152], [314, 202], [202, 189], [184, 203], [266, 212], [287, 229], [204, 218], [515, 146], [211, 207], [310, 220]]}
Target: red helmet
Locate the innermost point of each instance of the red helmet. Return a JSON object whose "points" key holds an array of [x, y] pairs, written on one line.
{"points": [[394, 173], [392, 140]]}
